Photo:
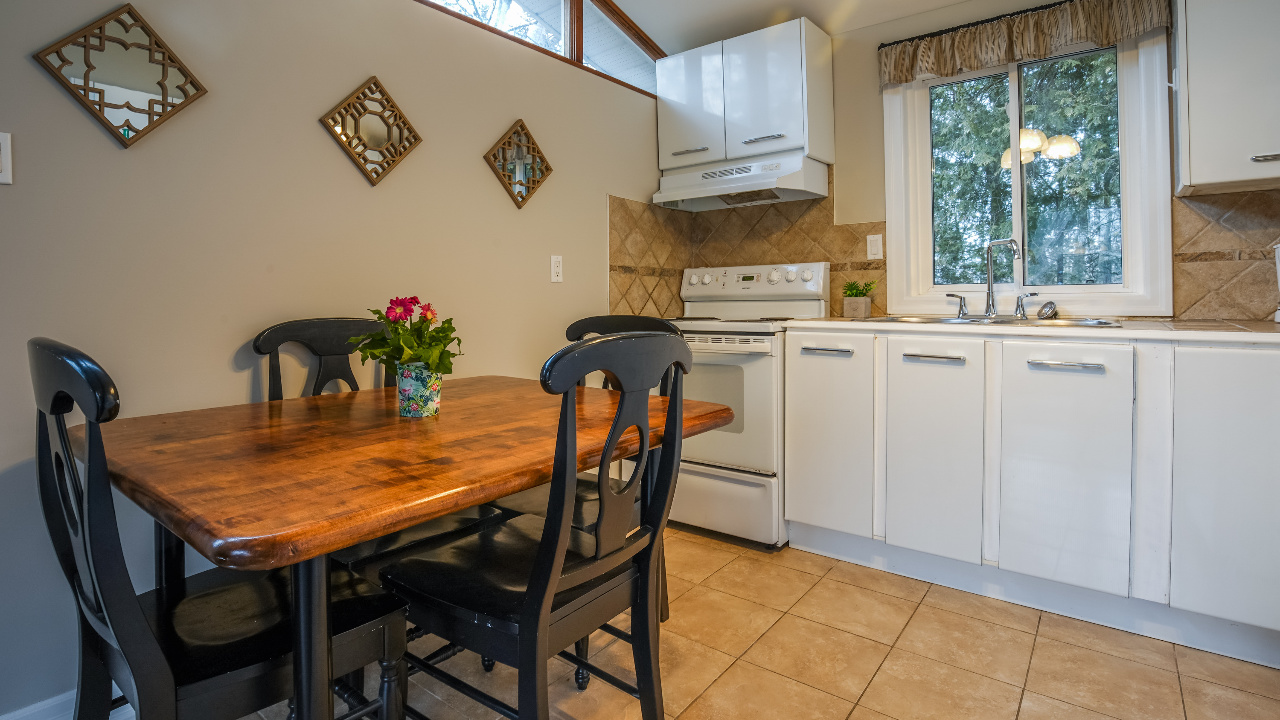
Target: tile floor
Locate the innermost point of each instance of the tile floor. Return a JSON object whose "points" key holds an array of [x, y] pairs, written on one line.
{"points": [[788, 635]]}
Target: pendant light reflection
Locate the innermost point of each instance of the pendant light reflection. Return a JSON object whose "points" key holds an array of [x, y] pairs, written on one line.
{"points": [[1006, 160], [1061, 147], [1033, 141], [1058, 147]]}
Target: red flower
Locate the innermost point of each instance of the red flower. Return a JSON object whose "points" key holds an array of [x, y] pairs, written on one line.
{"points": [[429, 313], [401, 308]]}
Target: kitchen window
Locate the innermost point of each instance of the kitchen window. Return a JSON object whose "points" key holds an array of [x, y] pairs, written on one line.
{"points": [[1068, 155], [591, 34]]}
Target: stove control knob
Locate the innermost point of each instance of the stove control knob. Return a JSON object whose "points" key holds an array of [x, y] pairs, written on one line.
{"points": [[774, 277], [791, 276], [693, 279], [706, 278], [806, 275]]}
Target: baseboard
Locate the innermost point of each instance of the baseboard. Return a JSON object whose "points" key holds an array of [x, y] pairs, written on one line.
{"points": [[1215, 635], [60, 707]]}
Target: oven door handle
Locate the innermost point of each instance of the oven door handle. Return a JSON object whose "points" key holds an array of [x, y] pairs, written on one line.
{"points": [[729, 350]]}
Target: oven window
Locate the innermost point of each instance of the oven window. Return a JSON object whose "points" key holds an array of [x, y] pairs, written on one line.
{"points": [[722, 384]]}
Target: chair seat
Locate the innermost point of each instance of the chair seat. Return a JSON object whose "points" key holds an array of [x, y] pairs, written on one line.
{"points": [[586, 509], [488, 572], [441, 529], [230, 620]]}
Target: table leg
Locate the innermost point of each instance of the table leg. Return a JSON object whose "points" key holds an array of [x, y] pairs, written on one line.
{"points": [[312, 667]]}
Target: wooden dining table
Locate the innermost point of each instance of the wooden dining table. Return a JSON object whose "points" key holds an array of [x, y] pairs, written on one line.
{"points": [[286, 482]]}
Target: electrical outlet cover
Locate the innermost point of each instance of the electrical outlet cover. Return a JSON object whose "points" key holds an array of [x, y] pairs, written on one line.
{"points": [[6, 159], [875, 247]]}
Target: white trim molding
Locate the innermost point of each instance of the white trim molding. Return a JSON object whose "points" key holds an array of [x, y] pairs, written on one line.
{"points": [[1145, 197]]}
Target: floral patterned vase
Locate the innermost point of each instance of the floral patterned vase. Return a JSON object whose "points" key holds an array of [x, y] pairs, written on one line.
{"points": [[419, 390]]}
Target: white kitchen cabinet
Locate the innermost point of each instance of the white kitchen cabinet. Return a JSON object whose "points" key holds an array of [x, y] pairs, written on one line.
{"points": [[934, 456], [828, 430], [778, 92], [1226, 484], [1066, 446], [691, 108], [1228, 96]]}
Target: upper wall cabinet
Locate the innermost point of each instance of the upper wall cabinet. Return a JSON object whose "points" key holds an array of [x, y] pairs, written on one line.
{"points": [[765, 92], [691, 108], [1228, 97]]}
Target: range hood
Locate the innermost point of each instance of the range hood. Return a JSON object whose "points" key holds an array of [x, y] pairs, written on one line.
{"points": [[760, 180]]}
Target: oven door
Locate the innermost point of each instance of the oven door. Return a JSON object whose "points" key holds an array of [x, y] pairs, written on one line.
{"points": [[745, 373]]}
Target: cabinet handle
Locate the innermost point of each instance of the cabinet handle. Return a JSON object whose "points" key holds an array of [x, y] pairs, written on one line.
{"points": [[1061, 364], [775, 136], [1266, 158], [947, 358], [842, 351], [690, 150]]}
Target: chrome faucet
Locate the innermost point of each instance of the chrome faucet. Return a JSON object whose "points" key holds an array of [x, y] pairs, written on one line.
{"points": [[1020, 312], [991, 294]]}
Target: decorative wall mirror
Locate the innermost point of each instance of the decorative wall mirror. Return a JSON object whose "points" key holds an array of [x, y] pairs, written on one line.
{"points": [[372, 130], [122, 73], [519, 163]]}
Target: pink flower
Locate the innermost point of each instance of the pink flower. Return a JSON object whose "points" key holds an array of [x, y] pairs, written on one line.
{"points": [[429, 313], [401, 308], [405, 374], [405, 391], [414, 406]]}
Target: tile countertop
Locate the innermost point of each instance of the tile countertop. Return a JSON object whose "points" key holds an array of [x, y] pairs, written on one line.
{"points": [[1254, 332]]}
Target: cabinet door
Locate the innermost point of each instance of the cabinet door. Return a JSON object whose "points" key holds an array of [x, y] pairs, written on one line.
{"points": [[827, 431], [1233, 91], [933, 495], [1066, 456], [1226, 484], [764, 91], [691, 108]]}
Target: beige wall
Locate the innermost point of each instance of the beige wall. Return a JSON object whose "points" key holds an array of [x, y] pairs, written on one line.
{"points": [[162, 261]]}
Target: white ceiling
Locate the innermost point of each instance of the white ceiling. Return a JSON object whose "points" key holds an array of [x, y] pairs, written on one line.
{"points": [[679, 25]]}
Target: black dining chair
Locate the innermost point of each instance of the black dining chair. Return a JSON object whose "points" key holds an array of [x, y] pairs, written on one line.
{"points": [[213, 646], [522, 590], [586, 506], [329, 340]]}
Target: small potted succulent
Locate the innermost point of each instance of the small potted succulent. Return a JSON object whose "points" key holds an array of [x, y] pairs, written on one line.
{"points": [[419, 353], [857, 299]]}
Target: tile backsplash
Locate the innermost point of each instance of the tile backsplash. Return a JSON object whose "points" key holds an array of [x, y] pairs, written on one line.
{"points": [[1223, 252]]}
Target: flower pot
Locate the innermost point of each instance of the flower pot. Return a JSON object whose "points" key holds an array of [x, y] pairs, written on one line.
{"points": [[857, 307], [419, 390]]}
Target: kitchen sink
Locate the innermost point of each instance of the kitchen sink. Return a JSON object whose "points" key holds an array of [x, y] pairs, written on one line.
{"points": [[999, 320]]}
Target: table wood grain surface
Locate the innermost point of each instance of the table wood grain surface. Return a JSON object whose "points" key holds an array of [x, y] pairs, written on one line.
{"points": [[270, 484]]}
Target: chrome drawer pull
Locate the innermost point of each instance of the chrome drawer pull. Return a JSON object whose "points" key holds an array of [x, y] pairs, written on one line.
{"points": [[1266, 158], [690, 150], [775, 136], [947, 358], [842, 351], [1059, 363]]}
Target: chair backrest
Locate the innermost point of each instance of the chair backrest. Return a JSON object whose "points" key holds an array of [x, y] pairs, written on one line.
{"points": [[80, 513], [635, 363], [610, 324], [327, 338]]}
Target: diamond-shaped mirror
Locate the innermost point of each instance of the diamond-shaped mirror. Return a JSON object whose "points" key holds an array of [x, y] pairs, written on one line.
{"points": [[372, 130], [122, 73], [519, 163]]}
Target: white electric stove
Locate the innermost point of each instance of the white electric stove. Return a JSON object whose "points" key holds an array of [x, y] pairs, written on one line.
{"points": [[731, 479]]}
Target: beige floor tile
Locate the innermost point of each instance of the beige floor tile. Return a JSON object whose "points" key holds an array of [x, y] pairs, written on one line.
{"points": [[976, 645], [865, 713], [746, 692], [1207, 701], [601, 640], [771, 585], [600, 701], [1227, 671], [1103, 683], [500, 683], [1039, 707], [716, 540], [879, 580], [694, 561], [795, 559], [436, 708], [983, 608], [872, 615], [831, 660], [718, 620], [1129, 646], [677, 586], [911, 687], [688, 668]]}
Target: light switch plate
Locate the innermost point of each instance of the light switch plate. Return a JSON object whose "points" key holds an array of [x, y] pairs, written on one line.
{"points": [[875, 247], [557, 269], [6, 159]]}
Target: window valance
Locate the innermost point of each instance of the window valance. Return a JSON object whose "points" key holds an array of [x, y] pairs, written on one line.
{"points": [[1028, 35]]}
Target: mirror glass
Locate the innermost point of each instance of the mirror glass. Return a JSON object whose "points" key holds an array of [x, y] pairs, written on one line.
{"points": [[371, 128], [123, 73], [519, 163]]}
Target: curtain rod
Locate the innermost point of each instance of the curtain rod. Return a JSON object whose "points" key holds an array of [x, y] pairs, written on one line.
{"points": [[975, 24]]}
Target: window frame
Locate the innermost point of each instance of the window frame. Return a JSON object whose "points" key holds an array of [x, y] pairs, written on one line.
{"points": [[573, 36], [1145, 195]]}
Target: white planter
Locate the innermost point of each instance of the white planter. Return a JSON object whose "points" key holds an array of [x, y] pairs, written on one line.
{"points": [[857, 307]]}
